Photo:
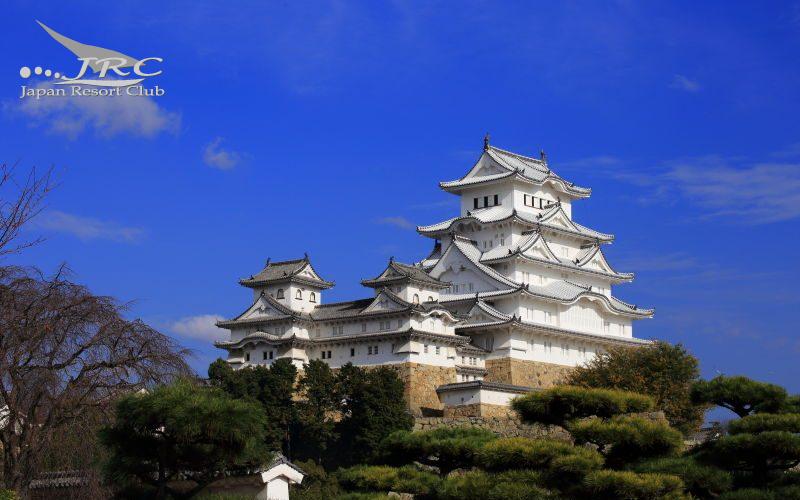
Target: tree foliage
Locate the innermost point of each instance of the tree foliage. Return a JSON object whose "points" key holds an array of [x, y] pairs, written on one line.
{"points": [[763, 422], [662, 371], [376, 478], [702, 481], [511, 485], [614, 485], [446, 449], [740, 395], [272, 387], [182, 430], [625, 439], [562, 404], [65, 354]]}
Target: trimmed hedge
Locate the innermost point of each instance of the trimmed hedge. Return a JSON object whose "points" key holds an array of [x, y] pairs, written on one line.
{"points": [[763, 422], [377, 478], [625, 439], [769, 450], [537, 454], [619, 485], [787, 493], [564, 403], [448, 449], [702, 481], [512, 485]]}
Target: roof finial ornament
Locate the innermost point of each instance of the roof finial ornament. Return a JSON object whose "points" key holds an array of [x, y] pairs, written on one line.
{"points": [[391, 258], [543, 156], [486, 141], [267, 263], [305, 255]]}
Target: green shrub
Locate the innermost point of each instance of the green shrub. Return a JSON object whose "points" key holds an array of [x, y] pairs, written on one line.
{"points": [[447, 449], [702, 481], [383, 478], [757, 453], [762, 422], [516, 485], [749, 494], [8, 495], [537, 454], [740, 395], [562, 404], [626, 439], [619, 485]]}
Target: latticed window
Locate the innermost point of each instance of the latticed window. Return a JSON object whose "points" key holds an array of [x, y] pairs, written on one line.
{"points": [[312, 297], [279, 293]]}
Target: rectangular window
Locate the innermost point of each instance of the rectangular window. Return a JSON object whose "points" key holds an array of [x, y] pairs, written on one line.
{"points": [[475, 203], [265, 355], [247, 356], [471, 287], [363, 327], [463, 360], [399, 323], [271, 353], [495, 200], [329, 354], [425, 348], [352, 352], [375, 350], [369, 350], [485, 201], [437, 350]]}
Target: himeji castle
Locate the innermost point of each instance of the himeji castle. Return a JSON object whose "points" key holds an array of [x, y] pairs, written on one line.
{"points": [[514, 294]]}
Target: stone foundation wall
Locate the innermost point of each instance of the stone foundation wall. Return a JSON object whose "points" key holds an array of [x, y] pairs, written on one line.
{"points": [[478, 410], [527, 373], [420, 383], [507, 426]]}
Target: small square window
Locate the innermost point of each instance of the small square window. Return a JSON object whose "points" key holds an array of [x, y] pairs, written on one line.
{"points": [[247, 356], [271, 353], [437, 350], [352, 352]]}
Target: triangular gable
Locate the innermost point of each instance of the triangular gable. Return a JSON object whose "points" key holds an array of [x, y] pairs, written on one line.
{"points": [[559, 218], [485, 166], [264, 307], [537, 248], [386, 301], [597, 260], [461, 255], [481, 312], [308, 271]]}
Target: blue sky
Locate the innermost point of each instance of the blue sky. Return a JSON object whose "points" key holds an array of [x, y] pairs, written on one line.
{"points": [[325, 126]]}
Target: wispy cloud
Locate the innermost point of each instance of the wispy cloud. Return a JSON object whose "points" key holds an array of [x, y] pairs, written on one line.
{"points": [[751, 192], [755, 193], [217, 157], [71, 116], [88, 228], [397, 221], [682, 82], [200, 327]]}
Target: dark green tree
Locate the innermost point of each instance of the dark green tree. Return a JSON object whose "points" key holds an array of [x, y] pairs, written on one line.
{"points": [[702, 481], [273, 387], [741, 395], [182, 430], [372, 407], [662, 371], [317, 410], [445, 449], [559, 405], [625, 439]]}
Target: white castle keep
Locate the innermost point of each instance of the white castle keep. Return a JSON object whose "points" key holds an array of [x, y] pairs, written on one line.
{"points": [[513, 295]]}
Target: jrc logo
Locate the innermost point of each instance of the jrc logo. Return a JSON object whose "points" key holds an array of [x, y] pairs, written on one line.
{"points": [[100, 67]]}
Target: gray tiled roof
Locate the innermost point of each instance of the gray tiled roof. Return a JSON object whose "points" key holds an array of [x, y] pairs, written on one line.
{"points": [[531, 169], [404, 272], [482, 384], [502, 213], [287, 270]]}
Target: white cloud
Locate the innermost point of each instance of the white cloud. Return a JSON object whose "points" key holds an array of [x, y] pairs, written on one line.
{"points": [[397, 221], [71, 116], [753, 193], [201, 327], [217, 157], [88, 228], [685, 83]]}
